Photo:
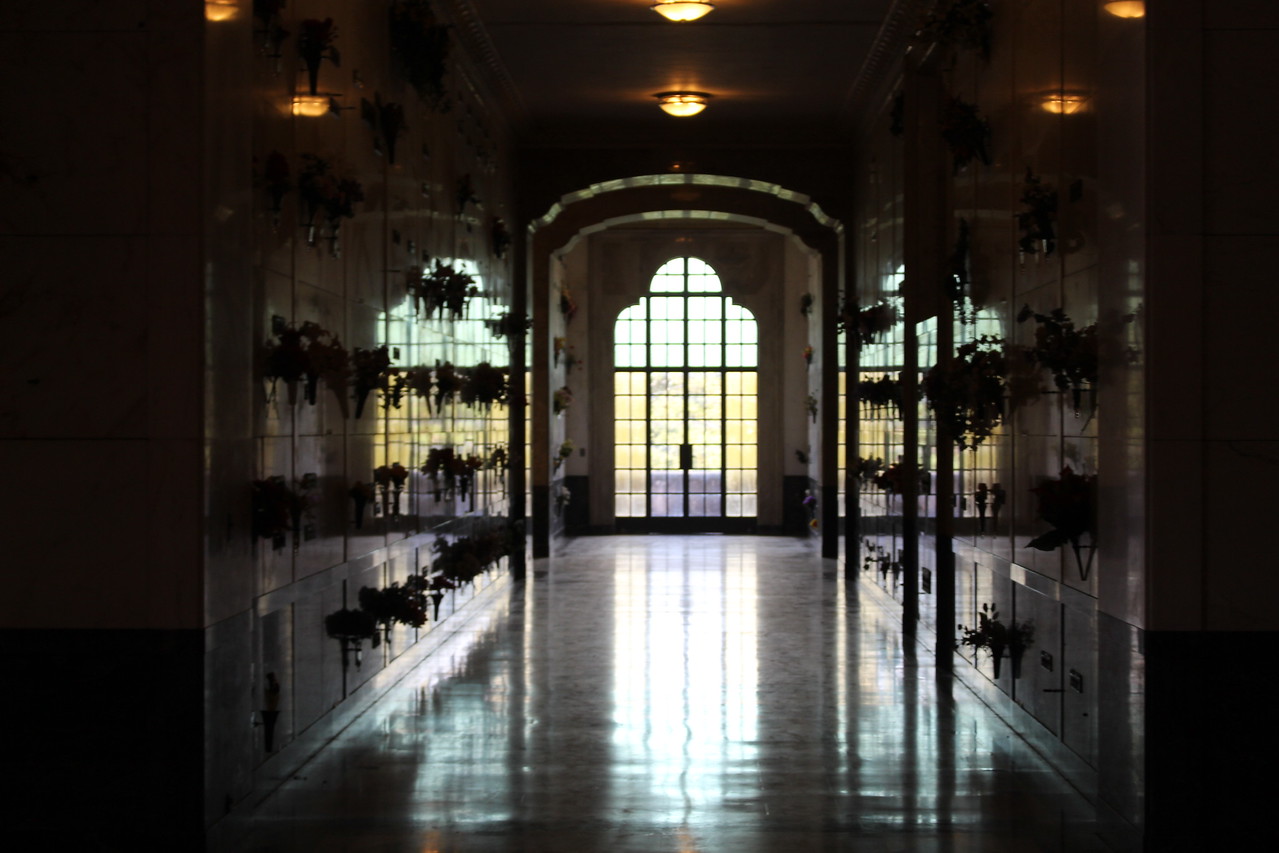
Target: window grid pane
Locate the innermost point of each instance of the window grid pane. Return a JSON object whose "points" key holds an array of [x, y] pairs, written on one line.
{"points": [[685, 328]]}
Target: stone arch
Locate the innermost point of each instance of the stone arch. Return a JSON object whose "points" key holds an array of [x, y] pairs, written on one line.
{"points": [[660, 199]]}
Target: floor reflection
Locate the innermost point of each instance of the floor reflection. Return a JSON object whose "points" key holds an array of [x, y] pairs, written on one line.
{"points": [[677, 694]]}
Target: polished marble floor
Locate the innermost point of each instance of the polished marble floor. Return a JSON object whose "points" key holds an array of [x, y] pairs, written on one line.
{"points": [[673, 694]]}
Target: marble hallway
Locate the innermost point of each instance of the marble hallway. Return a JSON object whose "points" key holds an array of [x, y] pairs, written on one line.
{"points": [[663, 693]]}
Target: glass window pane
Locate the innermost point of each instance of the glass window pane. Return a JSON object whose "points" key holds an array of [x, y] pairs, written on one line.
{"points": [[749, 355], [748, 505], [622, 506], [734, 506]]}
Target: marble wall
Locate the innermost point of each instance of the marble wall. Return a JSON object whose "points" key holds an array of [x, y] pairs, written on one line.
{"points": [[1088, 155], [431, 193]]}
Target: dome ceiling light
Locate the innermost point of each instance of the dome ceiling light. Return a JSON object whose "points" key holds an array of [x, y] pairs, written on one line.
{"points": [[1126, 8], [682, 10], [682, 104], [1064, 103]]}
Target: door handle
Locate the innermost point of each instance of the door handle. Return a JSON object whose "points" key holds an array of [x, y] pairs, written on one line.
{"points": [[686, 457]]}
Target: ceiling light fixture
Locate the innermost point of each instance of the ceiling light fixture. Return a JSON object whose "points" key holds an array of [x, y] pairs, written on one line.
{"points": [[682, 10], [682, 104], [220, 10], [1064, 104], [312, 106], [1126, 8]]}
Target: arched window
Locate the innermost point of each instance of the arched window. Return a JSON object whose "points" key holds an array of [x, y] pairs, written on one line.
{"points": [[686, 421]]}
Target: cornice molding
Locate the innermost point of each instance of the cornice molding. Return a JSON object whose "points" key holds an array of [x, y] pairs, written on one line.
{"points": [[890, 46], [474, 38]]}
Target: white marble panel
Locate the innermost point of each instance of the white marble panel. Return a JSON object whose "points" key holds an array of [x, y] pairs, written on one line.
{"points": [[77, 532], [175, 350], [83, 170], [75, 338]]}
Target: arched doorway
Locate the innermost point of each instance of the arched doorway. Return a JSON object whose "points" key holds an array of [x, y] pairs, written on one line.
{"points": [[685, 406]]}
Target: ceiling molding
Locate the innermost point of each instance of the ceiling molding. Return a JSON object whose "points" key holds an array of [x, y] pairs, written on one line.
{"points": [[474, 38], [890, 45]]}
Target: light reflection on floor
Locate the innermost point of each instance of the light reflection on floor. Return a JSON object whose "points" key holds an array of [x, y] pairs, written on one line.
{"points": [[676, 694]]}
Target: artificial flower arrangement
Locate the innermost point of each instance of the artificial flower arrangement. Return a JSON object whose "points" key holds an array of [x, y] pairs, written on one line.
{"points": [[273, 32], [285, 358], [444, 289], [958, 280], [565, 451], [867, 325], [321, 189], [464, 468], [277, 508], [995, 637], [369, 367], [1070, 354], [439, 469], [808, 356], [464, 559], [567, 306], [393, 383], [509, 325], [810, 403], [448, 384], [966, 396], [395, 604], [363, 494], [868, 468], [387, 122], [882, 393], [392, 479], [561, 399], [485, 386], [497, 461], [315, 44], [966, 133], [420, 45], [1069, 504], [1036, 221], [959, 23], [351, 628]]}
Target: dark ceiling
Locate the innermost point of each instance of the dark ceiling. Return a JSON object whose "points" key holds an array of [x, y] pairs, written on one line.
{"points": [[584, 72]]}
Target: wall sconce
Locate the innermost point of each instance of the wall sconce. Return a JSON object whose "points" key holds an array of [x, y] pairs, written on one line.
{"points": [[1065, 104], [1126, 8], [313, 106], [682, 104], [682, 10]]}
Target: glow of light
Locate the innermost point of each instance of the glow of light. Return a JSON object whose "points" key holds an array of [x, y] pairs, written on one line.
{"points": [[1126, 8], [682, 104], [220, 10], [1063, 104], [682, 10], [311, 106]]}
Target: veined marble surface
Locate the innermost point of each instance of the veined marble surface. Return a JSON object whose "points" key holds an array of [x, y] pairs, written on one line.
{"points": [[698, 693]]}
